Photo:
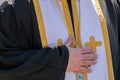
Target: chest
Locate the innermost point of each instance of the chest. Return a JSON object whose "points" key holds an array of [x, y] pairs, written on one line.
{"points": [[55, 21]]}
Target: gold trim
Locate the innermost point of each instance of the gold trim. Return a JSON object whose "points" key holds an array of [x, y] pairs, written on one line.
{"points": [[76, 16], [71, 33], [40, 23], [60, 11], [93, 43], [68, 20], [106, 40], [76, 23]]}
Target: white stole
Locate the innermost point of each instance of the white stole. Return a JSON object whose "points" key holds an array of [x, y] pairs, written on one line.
{"points": [[55, 27], [90, 28]]}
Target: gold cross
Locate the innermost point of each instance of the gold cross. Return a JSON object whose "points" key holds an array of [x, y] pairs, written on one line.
{"points": [[93, 44], [59, 42]]}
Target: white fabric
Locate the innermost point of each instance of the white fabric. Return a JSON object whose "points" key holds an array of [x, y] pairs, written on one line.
{"points": [[54, 24], [90, 26], [1, 1]]}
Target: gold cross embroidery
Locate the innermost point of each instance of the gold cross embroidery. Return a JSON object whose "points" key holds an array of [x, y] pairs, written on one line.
{"points": [[93, 44], [59, 43]]}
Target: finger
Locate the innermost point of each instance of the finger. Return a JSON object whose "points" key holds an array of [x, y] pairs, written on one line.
{"points": [[86, 50], [87, 63], [90, 56], [84, 69], [69, 41]]}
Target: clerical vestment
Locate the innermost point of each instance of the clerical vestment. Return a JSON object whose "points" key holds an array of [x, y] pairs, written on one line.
{"points": [[89, 29], [23, 51]]}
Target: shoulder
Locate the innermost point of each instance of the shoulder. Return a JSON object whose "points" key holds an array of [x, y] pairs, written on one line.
{"points": [[17, 8], [17, 5]]}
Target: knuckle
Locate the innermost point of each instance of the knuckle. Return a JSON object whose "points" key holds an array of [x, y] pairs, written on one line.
{"points": [[93, 56], [83, 50], [81, 64], [89, 49], [85, 63], [93, 62], [86, 56], [83, 57]]}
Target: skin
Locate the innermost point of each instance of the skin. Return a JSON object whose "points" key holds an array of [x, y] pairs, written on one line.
{"points": [[79, 58]]}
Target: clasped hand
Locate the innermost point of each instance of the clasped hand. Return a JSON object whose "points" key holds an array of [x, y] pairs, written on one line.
{"points": [[79, 58]]}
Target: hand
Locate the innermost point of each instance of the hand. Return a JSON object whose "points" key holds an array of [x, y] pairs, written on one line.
{"points": [[79, 58]]}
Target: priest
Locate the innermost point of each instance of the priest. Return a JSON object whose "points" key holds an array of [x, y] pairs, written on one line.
{"points": [[34, 42]]}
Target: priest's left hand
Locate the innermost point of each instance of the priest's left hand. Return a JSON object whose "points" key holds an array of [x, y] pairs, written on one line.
{"points": [[79, 58]]}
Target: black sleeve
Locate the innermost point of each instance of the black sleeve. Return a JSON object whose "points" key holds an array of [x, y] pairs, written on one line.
{"points": [[118, 16], [118, 22], [21, 54]]}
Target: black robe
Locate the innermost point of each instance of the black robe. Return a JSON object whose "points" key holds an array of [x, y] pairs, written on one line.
{"points": [[21, 54]]}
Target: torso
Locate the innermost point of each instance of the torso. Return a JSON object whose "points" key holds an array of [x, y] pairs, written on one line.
{"points": [[56, 29]]}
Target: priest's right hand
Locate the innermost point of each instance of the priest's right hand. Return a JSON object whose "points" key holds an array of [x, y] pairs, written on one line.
{"points": [[79, 58]]}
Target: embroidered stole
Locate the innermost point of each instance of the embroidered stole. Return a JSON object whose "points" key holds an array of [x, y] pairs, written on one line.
{"points": [[90, 31]]}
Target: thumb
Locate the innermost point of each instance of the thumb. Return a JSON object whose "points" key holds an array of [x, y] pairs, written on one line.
{"points": [[69, 41]]}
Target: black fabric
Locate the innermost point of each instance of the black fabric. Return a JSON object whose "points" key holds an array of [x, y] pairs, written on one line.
{"points": [[110, 10], [70, 9], [118, 57], [21, 54]]}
